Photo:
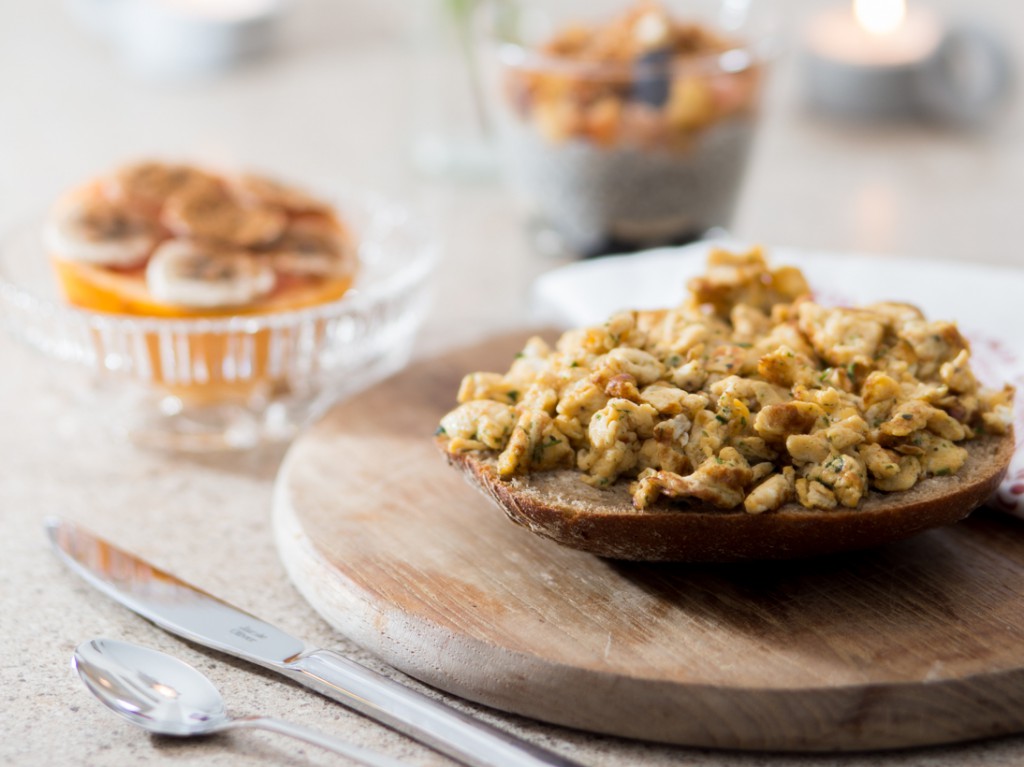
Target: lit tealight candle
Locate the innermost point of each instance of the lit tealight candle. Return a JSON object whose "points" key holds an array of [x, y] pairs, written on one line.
{"points": [[866, 60]]}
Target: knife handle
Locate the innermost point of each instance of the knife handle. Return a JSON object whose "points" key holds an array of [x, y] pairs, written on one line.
{"points": [[429, 721]]}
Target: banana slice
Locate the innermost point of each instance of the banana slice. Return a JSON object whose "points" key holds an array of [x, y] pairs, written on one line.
{"points": [[313, 248], [261, 190], [204, 277], [212, 213], [90, 229], [148, 185]]}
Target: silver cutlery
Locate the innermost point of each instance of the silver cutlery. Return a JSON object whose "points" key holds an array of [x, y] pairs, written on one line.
{"points": [[195, 615], [169, 697]]}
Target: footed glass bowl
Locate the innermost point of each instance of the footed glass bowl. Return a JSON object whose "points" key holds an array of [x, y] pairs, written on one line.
{"points": [[229, 382]]}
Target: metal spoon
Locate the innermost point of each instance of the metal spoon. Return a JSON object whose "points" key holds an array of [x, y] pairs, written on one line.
{"points": [[167, 696]]}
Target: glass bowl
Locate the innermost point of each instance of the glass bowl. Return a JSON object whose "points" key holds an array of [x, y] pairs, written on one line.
{"points": [[229, 382], [612, 153]]}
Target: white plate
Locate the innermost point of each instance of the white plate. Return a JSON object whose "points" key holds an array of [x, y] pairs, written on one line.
{"points": [[985, 301]]}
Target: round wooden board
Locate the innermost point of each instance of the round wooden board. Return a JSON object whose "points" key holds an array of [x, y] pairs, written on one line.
{"points": [[915, 643]]}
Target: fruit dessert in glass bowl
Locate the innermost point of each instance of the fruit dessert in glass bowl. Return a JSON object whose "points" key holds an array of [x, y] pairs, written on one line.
{"points": [[165, 240], [217, 310], [631, 130]]}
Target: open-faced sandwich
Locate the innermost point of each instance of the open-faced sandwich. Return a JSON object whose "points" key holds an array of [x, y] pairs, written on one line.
{"points": [[749, 422]]}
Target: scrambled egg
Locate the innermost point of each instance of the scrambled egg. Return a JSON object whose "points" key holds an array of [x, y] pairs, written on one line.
{"points": [[749, 394]]}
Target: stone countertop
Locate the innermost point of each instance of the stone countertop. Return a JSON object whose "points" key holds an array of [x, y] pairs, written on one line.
{"points": [[914, 191]]}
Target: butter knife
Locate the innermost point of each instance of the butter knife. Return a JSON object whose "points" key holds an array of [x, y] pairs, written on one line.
{"points": [[199, 617]]}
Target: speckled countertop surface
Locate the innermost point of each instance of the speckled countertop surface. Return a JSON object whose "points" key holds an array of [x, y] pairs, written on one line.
{"points": [[70, 110]]}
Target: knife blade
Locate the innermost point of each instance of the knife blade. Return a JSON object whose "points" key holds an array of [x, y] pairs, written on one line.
{"points": [[195, 615]]}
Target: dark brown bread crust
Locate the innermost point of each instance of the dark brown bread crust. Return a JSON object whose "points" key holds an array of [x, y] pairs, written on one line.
{"points": [[559, 506]]}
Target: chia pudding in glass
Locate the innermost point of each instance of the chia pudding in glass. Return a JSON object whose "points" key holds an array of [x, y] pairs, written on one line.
{"points": [[627, 127]]}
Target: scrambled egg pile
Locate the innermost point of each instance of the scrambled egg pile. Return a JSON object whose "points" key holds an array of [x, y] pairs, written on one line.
{"points": [[749, 393]]}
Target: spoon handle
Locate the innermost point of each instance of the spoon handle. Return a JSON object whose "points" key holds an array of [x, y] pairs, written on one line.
{"points": [[355, 753]]}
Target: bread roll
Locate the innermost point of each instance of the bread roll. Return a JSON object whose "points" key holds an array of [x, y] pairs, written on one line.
{"points": [[560, 506]]}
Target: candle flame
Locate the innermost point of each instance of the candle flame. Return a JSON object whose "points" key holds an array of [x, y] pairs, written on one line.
{"points": [[880, 17]]}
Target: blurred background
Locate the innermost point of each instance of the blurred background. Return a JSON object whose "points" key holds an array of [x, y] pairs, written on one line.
{"points": [[336, 93]]}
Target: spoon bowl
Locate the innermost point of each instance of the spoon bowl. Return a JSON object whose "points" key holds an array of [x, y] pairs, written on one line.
{"points": [[151, 689], [169, 697]]}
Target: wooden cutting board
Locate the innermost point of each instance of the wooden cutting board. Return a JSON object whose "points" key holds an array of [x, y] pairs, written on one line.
{"points": [[915, 643]]}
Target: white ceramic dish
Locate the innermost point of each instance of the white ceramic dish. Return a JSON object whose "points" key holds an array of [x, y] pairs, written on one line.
{"points": [[984, 300]]}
